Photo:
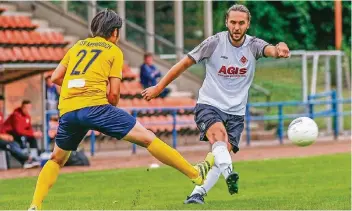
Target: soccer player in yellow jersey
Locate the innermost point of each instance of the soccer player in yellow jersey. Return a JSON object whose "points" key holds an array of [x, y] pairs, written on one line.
{"points": [[88, 69]]}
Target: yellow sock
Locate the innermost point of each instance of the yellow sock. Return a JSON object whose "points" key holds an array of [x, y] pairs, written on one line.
{"points": [[46, 179], [171, 157]]}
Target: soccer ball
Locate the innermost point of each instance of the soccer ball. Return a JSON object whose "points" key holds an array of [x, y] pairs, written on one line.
{"points": [[303, 131]]}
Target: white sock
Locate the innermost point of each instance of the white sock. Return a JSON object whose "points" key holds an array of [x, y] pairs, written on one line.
{"points": [[210, 181], [222, 158]]}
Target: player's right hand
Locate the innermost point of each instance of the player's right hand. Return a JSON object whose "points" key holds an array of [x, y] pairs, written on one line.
{"points": [[151, 92]]}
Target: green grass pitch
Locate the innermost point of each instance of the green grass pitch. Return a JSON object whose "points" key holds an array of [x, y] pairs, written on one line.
{"points": [[322, 182]]}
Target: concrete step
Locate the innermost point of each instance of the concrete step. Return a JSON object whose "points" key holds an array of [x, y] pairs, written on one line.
{"points": [[49, 29], [254, 126], [172, 87], [15, 13], [43, 26], [260, 135], [71, 39], [41, 23], [181, 94], [8, 6], [136, 70]]}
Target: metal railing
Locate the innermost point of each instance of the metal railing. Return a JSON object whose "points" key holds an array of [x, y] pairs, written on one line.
{"points": [[280, 117], [134, 112], [310, 104]]}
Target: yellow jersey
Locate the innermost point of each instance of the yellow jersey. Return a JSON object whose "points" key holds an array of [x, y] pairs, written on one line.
{"points": [[89, 64]]}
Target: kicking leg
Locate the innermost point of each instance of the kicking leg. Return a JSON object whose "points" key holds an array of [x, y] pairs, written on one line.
{"points": [[168, 155], [118, 123], [198, 192]]}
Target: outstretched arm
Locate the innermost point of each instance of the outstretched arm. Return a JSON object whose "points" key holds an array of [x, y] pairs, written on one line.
{"points": [[171, 75], [281, 50]]}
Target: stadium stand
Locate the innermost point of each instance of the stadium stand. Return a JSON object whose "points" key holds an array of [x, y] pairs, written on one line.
{"points": [[24, 41]]}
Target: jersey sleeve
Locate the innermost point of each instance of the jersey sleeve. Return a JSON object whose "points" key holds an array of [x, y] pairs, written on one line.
{"points": [[257, 47], [117, 63], [66, 58], [205, 49]]}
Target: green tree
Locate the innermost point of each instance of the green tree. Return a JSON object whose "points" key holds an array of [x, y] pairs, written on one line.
{"points": [[303, 24]]}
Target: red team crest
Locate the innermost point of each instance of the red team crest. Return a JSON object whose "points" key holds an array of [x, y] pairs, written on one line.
{"points": [[243, 60]]}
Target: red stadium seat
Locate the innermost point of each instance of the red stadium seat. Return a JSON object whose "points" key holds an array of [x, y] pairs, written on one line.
{"points": [[3, 56], [11, 23], [45, 39], [36, 54], [9, 35], [52, 54], [60, 52], [3, 38], [35, 36], [17, 37], [125, 103], [157, 102], [57, 38], [10, 55], [45, 55], [25, 36], [139, 103], [18, 54], [24, 22], [27, 54]]}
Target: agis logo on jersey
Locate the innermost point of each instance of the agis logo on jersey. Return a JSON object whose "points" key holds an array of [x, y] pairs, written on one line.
{"points": [[231, 71]]}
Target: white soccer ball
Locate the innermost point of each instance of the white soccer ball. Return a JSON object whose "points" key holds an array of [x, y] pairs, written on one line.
{"points": [[303, 131]]}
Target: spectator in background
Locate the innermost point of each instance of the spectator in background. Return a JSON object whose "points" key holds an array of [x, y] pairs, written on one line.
{"points": [[149, 75], [19, 125], [51, 94], [7, 143]]}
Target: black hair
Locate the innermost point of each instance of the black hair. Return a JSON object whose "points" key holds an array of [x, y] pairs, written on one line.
{"points": [[26, 102], [104, 23]]}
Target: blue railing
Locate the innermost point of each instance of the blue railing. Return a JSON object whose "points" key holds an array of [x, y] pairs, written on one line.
{"points": [[134, 112], [280, 116], [174, 122], [333, 112]]}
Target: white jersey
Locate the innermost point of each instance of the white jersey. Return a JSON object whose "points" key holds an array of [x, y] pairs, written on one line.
{"points": [[229, 71]]}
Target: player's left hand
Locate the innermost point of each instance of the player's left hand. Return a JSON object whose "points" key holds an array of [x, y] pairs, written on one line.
{"points": [[151, 92], [282, 50]]}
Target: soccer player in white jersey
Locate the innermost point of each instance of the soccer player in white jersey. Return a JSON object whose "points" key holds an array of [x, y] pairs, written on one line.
{"points": [[230, 58]]}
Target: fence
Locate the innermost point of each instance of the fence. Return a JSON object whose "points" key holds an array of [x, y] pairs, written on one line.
{"points": [[333, 112], [280, 116], [134, 112]]}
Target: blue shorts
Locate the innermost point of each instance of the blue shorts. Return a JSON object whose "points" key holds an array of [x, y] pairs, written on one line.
{"points": [[206, 115], [107, 119]]}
